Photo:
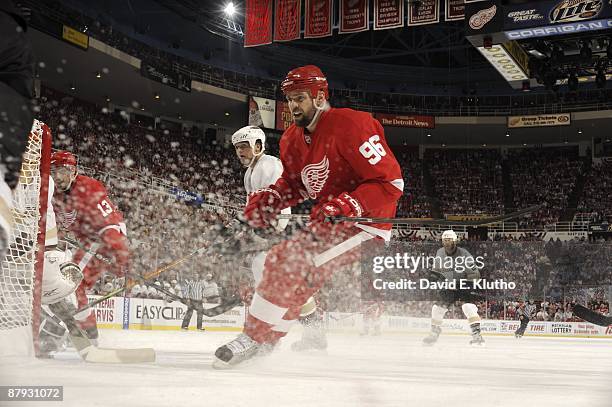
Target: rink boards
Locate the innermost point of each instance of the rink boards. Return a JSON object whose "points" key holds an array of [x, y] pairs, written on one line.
{"points": [[147, 314]]}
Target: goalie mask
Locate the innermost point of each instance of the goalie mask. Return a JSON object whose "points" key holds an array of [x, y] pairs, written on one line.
{"points": [[60, 277], [449, 241], [249, 134]]}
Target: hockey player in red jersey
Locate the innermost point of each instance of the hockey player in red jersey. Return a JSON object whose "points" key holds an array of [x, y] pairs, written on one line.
{"points": [[340, 159], [85, 213]]}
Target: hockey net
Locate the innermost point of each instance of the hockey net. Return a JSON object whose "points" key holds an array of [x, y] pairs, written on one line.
{"points": [[21, 269]]}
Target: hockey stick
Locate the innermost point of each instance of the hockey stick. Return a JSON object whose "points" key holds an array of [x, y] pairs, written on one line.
{"points": [[421, 221], [592, 316], [147, 276], [81, 246], [209, 312]]}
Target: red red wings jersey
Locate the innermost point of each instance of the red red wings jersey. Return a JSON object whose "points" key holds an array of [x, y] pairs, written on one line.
{"points": [[86, 210], [347, 152]]}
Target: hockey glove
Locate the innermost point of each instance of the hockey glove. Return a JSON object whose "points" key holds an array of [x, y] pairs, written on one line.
{"points": [[263, 207], [342, 205]]}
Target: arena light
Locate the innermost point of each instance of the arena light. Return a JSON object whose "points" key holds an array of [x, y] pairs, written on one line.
{"points": [[504, 63], [229, 9]]}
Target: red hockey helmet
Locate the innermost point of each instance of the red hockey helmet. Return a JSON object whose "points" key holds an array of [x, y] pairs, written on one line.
{"points": [[306, 78], [63, 158]]}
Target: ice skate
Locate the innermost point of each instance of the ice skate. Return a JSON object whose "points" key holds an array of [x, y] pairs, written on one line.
{"points": [[433, 336], [239, 350], [477, 338], [313, 337]]}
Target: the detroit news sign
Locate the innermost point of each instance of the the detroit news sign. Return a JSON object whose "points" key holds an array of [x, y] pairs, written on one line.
{"points": [[562, 119]]}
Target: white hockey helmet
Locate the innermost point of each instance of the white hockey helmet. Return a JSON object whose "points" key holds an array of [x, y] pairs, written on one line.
{"points": [[250, 134], [449, 234]]}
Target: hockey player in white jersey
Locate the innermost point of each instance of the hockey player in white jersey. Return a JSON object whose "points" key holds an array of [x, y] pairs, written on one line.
{"points": [[263, 170], [449, 297]]}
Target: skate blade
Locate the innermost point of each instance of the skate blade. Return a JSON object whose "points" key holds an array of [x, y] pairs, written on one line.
{"points": [[221, 365], [105, 355]]}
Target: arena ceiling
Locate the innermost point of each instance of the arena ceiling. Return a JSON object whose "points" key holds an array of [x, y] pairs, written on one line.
{"points": [[62, 66], [430, 56]]}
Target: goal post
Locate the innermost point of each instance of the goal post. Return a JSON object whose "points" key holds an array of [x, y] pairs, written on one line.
{"points": [[21, 269]]}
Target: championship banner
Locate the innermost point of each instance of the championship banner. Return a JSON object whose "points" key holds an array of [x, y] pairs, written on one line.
{"points": [[258, 23], [455, 10], [419, 122], [354, 16], [262, 112], [424, 12], [288, 14], [318, 21], [283, 116], [388, 14], [75, 37], [544, 120]]}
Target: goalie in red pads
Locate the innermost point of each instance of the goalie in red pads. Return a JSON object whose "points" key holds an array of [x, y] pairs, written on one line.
{"points": [[85, 212], [340, 159]]}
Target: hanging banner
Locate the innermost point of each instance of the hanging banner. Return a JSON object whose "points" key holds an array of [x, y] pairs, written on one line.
{"points": [[288, 14], [455, 10], [318, 21], [354, 16], [261, 112], [424, 12], [283, 116], [388, 14], [258, 23]]}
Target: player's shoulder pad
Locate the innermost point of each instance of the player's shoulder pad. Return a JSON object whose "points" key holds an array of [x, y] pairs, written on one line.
{"points": [[89, 184], [349, 121], [289, 135]]}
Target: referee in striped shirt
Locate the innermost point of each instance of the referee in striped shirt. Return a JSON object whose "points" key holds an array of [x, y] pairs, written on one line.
{"points": [[525, 311], [192, 289]]}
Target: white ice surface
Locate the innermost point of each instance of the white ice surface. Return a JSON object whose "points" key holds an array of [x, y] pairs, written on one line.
{"points": [[389, 370]]}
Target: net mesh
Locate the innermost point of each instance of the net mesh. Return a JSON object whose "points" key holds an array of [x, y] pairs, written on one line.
{"points": [[17, 274]]}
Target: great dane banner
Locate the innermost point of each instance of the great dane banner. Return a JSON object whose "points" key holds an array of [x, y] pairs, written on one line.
{"points": [[258, 23], [354, 16], [288, 14], [318, 18], [388, 14]]}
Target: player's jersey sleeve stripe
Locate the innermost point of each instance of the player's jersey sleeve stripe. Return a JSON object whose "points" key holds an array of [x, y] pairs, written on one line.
{"points": [[265, 311], [398, 183], [120, 227]]}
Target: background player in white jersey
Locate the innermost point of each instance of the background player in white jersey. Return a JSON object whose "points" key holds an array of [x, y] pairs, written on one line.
{"points": [[449, 297], [263, 170]]}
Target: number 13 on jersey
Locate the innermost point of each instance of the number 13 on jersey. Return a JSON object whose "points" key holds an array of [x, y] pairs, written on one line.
{"points": [[105, 208], [373, 150]]}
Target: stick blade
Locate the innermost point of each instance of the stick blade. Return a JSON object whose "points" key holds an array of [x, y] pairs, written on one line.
{"points": [[105, 355], [591, 316]]}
